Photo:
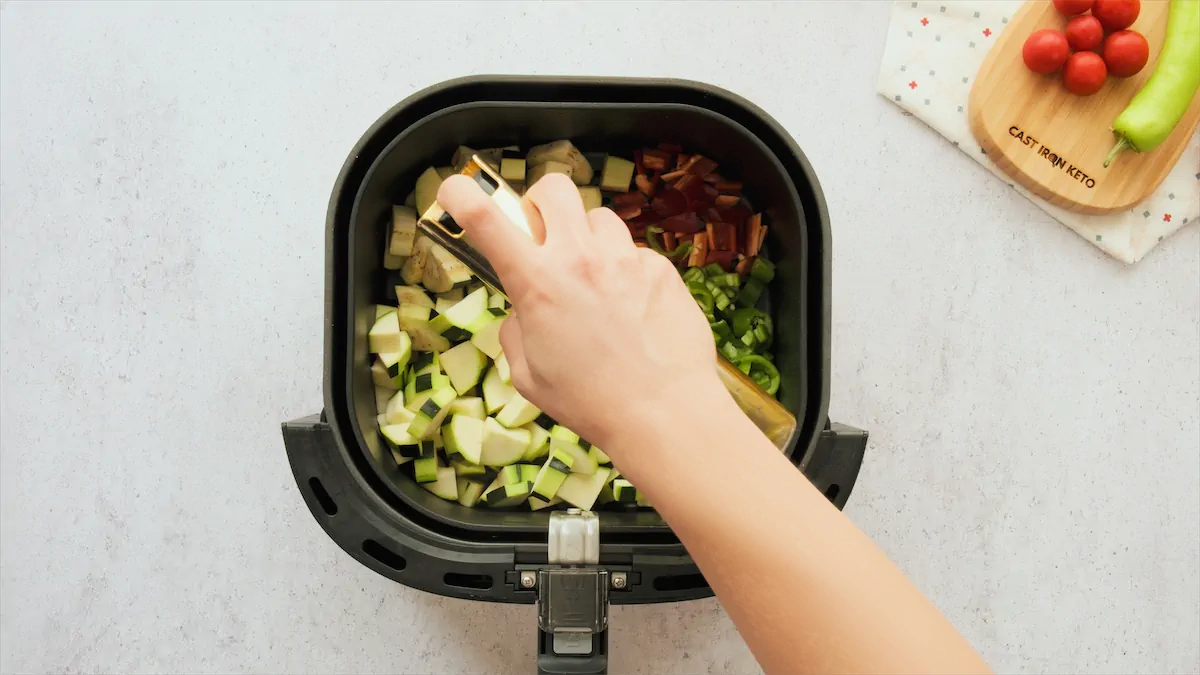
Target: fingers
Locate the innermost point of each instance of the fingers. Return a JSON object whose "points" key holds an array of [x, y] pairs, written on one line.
{"points": [[514, 351], [505, 246], [611, 230], [559, 208]]}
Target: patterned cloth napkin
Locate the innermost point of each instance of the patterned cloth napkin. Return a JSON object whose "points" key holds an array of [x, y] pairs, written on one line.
{"points": [[934, 48]]}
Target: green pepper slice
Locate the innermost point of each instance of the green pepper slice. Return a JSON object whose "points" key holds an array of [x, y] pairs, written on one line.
{"points": [[703, 297], [762, 371], [679, 252], [748, 320]]}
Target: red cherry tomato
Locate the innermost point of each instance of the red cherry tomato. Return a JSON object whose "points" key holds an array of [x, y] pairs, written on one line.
{"points": [[1084, 73], [1116, 15], [1045, 51], [1084, 33], [1072, 7], [1125, 53]]}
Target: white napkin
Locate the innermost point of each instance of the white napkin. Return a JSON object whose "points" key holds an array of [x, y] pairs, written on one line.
{"points": [[934, 50]]}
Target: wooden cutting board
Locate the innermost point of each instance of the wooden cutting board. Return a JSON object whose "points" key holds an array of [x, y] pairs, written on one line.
{"points": [[1054, 142]]}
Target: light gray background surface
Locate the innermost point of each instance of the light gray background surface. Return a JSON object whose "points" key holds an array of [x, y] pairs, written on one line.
{"points": [[1034, 406]]}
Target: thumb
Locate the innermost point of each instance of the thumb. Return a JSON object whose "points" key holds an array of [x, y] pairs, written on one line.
{"points": [[505, 246]]}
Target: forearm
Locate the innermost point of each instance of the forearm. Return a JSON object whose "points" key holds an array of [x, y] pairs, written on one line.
{"points": [[808, 591]]}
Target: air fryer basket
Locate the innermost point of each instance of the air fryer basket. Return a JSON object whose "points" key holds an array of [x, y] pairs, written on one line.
{"points": [[354, 489]]}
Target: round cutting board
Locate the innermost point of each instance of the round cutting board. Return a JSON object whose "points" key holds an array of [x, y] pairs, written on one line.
{"points": [[1054, 142]]}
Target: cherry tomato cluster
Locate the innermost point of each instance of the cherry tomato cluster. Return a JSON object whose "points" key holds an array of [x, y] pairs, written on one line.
{"points": [[1083, 52]]}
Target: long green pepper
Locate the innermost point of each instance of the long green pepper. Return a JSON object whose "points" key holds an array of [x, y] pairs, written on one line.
{"points": [[1154, 111]]}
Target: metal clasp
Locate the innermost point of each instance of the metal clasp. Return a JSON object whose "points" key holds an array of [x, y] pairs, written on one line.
{"points": [[573, 590]]}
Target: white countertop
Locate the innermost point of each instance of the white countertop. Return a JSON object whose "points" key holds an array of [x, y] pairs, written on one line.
{"points": [[1034, 406]]}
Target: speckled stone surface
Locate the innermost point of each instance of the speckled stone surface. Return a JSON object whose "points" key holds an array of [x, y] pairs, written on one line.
{"points": [[1033, 405]]}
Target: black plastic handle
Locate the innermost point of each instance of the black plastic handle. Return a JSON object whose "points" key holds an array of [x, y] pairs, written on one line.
{"points": [[549, 663], [835, 461]]}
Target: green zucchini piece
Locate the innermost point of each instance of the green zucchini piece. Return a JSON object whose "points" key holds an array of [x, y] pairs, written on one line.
{"points": [[445, 483], [464, 364], [581, 490], [381, 378], [617, 174], [403, 232], [463, 438], [471, 406], [517, 412], [502, 446], [425, 469], [431, 413], [427, 188], [552, 475], [469, 492], [624, 492], [508, 495], [487, 338], [539, 443], [496, 394]]}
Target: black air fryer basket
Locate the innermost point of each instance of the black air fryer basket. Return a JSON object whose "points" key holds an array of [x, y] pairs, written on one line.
{"points": [[387, 522]]}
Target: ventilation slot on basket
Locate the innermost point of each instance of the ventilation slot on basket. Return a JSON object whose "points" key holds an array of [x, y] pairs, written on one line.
{"points": [[480, 582], [680, 582], [831, 492], [378, 552], [327, 504]]}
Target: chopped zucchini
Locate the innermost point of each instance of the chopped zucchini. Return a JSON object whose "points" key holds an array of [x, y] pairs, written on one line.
{"points": [[431, 413], [404, 231], [445, 172], [443, 271], [496, 394], [399, 439], [379, 375], [445, 484], [517, 412], [551, 476], [597, 455], [442, 304], [508, 495], [414, 269], [537, 172], [384, 335], [591, 197], [512, 170], [380, 310], [471, 406], [502, 446], [616, 175], [581, 490], [463, 437], [469, 492], [567, 441], [413, 295], [536, 504], [539, 443], [563, 152], [471, 313], [505, 371], [465, 364], [425, 469], [461, 157], [465, 469], [453, 295], [624, 492], [487, 339], [427, 188], [415, 320], [394, 364]]}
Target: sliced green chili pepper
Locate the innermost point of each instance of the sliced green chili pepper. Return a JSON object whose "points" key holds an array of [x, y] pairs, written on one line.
{"points": [[762, 371], [721, 329], [1156, 109], [703, 297], [763, 270], [713, 269], [679, 252], [751, 292], [750, 321], [692, 275]]}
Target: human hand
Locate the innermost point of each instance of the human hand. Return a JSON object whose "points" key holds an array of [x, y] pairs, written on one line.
{"points": [[604, 334]]}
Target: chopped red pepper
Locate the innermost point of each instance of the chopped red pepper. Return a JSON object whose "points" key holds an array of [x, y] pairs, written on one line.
{"points": [[624, 199], [655, 160], [723, 258], [627, 212], [729, 187], [722, 236], [727, 200], [686, 223], [669, 203]]}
